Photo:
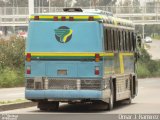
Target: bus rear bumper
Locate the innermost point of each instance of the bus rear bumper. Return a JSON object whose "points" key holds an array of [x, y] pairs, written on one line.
{"points": [[63, 94]]}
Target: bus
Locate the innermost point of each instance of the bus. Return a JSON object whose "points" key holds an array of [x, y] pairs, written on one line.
{"points": [[80, 56]]}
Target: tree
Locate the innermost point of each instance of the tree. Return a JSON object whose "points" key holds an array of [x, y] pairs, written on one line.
{"points": [[136, 5], [83, 3], [107, 2]]}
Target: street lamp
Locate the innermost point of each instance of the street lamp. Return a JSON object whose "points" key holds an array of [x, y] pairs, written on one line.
{"points": [[65, 3]]}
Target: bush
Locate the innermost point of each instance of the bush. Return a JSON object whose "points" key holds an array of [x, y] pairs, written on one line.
{"points": [[11, 78], [12, 52], [147, 67], [142, 71], [12, 62]]}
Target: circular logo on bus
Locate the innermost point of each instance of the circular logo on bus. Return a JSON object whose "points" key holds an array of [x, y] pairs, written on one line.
{"points": [[63, 34]]}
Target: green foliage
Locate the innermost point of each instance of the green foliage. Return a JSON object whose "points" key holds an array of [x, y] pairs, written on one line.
{"points": [[11, 78], [12, 52], [147, 67], [12, 101], [145, 57], [142, 70], [157, 37], [12, 62]]}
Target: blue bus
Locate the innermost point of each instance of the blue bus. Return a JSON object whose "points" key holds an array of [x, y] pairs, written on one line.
{"points": [[79, 56]]}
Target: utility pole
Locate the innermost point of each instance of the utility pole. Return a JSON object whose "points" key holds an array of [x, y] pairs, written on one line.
{"points": [[90, 4], [31, 6], [49, 2]]}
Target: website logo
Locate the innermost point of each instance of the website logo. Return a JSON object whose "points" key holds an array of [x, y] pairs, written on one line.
{"points": [[63, 34]]}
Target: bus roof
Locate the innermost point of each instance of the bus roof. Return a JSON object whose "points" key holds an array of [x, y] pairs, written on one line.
{"points": [[104, 17]]}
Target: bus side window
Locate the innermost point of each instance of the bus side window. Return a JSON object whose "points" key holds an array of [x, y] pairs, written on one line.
{"points": [[105, 40], [130, 41], [122, 40], [112, 43], [109, 40], [133, 41], [130, 34], [127, 41], [119, 40], [114, 40]]}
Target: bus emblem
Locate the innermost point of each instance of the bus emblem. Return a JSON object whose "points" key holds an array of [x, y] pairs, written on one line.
{"points": [[63, 34]]}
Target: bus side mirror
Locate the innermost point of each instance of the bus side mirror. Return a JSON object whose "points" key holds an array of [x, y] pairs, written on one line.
{"points": [[138, 47], [139, 41]]}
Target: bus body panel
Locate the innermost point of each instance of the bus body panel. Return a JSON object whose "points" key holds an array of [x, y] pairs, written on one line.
{"points": [[86, 37], [75, 69], [64, 94]]}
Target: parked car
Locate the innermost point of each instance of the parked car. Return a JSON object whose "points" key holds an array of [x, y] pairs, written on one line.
{"points": [[148, 39], [22, 34]]}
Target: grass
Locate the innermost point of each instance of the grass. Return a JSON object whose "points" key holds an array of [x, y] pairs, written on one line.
{"points": [[142, 71], [11, 78], [157, 37], [12, 102], [12, 62]]}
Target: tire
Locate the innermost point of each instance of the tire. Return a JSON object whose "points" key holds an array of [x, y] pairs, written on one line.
{"points": [[111, 99], [48, 106], [129, 100]]}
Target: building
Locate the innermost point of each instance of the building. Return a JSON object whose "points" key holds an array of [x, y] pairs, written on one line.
{"points": [[153, 6]]}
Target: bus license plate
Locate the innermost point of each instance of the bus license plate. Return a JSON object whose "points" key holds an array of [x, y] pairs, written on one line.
{"points": [[62, 72]]}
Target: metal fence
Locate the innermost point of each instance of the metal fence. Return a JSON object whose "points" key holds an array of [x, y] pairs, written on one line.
{"points": [[19, 15], [113, 9]]}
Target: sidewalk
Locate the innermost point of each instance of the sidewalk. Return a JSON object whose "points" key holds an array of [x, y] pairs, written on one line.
{"points": [[9, 94]]}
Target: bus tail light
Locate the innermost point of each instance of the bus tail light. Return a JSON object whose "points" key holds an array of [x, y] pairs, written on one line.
{"points": [[97, 70], [28, 57], [97, 57], [91, 18], [63, 18], [55, 18], [36, 17], [28, 70], [71, 19]]}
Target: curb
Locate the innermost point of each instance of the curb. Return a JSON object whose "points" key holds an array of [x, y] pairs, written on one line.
{"points": [[17, 106]]}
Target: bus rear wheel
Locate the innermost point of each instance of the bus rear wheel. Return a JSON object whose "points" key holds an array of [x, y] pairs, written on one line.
{"points": [[129, 100], [48, 106]]}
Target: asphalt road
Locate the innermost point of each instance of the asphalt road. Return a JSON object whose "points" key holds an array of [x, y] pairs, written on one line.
{"points": [[147, 101], [11, 93], [154, 49]]}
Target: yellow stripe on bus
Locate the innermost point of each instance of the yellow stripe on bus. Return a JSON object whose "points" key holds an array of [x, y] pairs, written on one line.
{"points": [[127, 54], [67, 54], [59, 17], [31, 17], [121, 59]]}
